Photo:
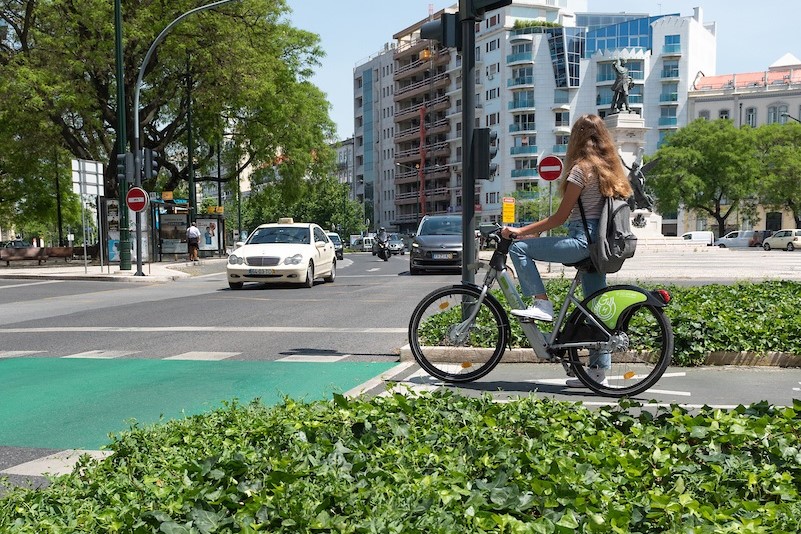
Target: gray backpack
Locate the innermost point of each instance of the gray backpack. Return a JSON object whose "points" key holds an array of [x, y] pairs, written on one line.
{"points": [[615, 243]]}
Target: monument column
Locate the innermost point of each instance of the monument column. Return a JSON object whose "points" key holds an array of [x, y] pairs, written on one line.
{"points": [[628, 131]]}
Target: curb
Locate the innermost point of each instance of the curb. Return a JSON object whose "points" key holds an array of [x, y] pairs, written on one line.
{"points": [[742, 358]]}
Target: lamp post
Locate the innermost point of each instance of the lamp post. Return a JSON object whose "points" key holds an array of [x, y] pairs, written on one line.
{"points": [[137, 91], [791, 117]]}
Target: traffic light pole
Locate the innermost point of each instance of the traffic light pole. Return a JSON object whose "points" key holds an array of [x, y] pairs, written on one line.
{"points": [[468, 22], [122, 184]]}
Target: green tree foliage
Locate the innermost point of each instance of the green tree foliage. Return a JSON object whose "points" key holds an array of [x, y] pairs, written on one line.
{"points": [[323, 201], [708, 167], [779, 150], [247, 68]]}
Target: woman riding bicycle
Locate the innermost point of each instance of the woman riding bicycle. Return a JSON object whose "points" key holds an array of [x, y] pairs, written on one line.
{"points": [[594, 171]]}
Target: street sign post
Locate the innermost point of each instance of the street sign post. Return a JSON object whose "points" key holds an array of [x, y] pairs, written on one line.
{"points": [[136, 199]]}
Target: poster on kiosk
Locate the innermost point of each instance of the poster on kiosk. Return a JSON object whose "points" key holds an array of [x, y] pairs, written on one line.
{"points": [[113, 222], [209, 234]]}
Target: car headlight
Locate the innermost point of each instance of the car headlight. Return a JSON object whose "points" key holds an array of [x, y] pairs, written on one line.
{"points": [[415, 245], [293, 260], [233, 259]]}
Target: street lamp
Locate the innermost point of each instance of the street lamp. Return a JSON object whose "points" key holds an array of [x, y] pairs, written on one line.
{"points": [[137, 90], [790, 117]]}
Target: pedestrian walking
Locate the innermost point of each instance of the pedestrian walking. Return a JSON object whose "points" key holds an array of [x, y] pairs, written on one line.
{"points": [[192, 241]]}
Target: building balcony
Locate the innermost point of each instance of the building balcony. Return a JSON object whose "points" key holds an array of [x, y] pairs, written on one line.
{"points": [[522, 104], [422, 86], [669, 75], [521, 57], [524, 173], [523, 127], [523, 150], [559, 149], [522, 81], [671, 50], [668, 122], [669, 98]]}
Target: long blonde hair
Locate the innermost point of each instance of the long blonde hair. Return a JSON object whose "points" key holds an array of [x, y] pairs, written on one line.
{"points": [[593, 150]]}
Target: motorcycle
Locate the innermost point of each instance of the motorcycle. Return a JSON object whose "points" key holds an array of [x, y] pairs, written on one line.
{"points": [[382, 246]]}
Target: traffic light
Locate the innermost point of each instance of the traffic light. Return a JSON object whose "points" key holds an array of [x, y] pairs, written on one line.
{"points": [[485, 149], [446, 30], [125, 166], [476, 8], [151, 164]]}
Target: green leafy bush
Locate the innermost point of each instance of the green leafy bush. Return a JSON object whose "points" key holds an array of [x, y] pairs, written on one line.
{"points": [[754, 317], [439, 463]]}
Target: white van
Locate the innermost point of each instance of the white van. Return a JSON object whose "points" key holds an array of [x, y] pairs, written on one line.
{"points": [[367, 244], [706, 237]]}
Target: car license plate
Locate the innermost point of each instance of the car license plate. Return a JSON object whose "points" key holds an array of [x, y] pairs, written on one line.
{"points": [[441, 255], [260, 271]]}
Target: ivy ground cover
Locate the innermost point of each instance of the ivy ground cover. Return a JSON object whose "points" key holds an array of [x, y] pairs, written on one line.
{"points": [[439, 463]]}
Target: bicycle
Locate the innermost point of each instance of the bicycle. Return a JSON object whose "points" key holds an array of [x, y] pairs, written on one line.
{"points": [[459, 333]]}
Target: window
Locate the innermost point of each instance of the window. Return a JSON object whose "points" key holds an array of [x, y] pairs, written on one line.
{"points": [[723, 114], [751, 117], [776, 113], [562, 118], [703, 114]]}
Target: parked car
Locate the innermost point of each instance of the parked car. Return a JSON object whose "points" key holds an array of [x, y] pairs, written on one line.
{"points": [[437, 245], [737, 238], [396, 244], [17, 243], [339, 248], [283, 252], [787, 239], [703, 236]]}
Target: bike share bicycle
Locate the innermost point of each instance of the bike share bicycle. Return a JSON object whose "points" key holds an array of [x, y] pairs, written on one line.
{"points": [[459, 333]]}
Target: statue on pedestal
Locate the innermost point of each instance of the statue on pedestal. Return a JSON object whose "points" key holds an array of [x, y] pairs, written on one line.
{"points": [[620, 89], [640, 202]]}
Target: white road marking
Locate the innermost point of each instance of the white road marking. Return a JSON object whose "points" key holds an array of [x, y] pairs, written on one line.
{"points": [[102, 354], [203, 356], [18, 353], [312, 358], [60, 463], [33, 284], [293, 329]]}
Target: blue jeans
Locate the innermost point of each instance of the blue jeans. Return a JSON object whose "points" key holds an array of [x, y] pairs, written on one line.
{"points": [[569, 249]]}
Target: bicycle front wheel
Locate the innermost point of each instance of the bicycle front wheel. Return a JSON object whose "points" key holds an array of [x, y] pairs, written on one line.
{"points": [[644, 352], [457, 336]]}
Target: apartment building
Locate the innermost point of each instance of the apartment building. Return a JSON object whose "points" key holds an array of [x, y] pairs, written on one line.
{"points": [[539, 64]]}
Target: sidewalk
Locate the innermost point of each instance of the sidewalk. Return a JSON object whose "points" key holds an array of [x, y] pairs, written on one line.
{"points": [[166, 271]]}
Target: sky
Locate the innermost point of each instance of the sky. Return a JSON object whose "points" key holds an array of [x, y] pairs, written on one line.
{"points": [[351, 31]]}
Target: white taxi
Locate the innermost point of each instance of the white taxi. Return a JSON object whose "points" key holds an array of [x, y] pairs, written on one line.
{"points": [[283, 252]]}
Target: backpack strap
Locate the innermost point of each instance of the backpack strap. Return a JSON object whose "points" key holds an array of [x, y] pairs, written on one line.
{"points": [[584, 220]]}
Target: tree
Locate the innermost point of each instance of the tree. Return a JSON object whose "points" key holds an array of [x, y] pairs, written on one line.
{"points": [[246, 68], [709, 168], [779, 149]]}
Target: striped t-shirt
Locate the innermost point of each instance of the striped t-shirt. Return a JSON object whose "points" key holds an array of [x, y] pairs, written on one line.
{"points": [[591, 197]]}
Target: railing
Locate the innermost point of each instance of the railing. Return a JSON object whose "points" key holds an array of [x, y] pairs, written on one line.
{"points": [[671, 49], [668, 121], [422, 84], [529, 149], [560, 149], [518, 104], [669, 97], [521, 80], [524, 173], [522, 127], [520, 56]]}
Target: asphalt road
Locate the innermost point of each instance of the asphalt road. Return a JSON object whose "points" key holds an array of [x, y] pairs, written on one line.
{"points": [[348, 333]]}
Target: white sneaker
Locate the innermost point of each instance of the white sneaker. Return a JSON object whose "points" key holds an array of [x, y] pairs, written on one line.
{"points": [[596, 375], [540, 309]]}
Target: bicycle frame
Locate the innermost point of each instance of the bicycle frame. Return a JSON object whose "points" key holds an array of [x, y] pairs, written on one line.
{"points": [[543, 348]]}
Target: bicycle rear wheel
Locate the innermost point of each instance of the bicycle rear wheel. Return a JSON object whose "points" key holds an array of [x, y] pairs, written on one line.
{"points": [[638, 363], [450, 346]]}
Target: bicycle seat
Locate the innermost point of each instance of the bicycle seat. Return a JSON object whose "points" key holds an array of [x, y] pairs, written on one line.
{"points": [[583, 265]]}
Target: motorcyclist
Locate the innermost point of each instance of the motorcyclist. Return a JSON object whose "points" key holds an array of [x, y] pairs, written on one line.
{"points": [[382, 235], [382, 243]]}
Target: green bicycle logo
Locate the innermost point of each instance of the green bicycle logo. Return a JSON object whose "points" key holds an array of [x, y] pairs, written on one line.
{"points": [[605, 307]]}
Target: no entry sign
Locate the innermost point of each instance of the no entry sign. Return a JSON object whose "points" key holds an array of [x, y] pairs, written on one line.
{"points": [[550, 168], [136, 199]]}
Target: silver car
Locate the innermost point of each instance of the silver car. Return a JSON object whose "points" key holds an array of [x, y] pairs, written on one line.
{"points": [[437, 246]]}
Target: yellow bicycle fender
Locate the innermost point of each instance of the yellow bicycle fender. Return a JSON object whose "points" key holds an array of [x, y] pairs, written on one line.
{"points": [[609, 305]]}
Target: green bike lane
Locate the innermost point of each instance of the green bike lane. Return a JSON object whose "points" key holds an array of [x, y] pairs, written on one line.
{"points": [[65, 403]]}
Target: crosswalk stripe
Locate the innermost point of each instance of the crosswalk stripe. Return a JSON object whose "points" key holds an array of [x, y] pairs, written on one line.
{"points": [[312, 358], [206, 356], [102, 354], [60, 463], [18, 353]]}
